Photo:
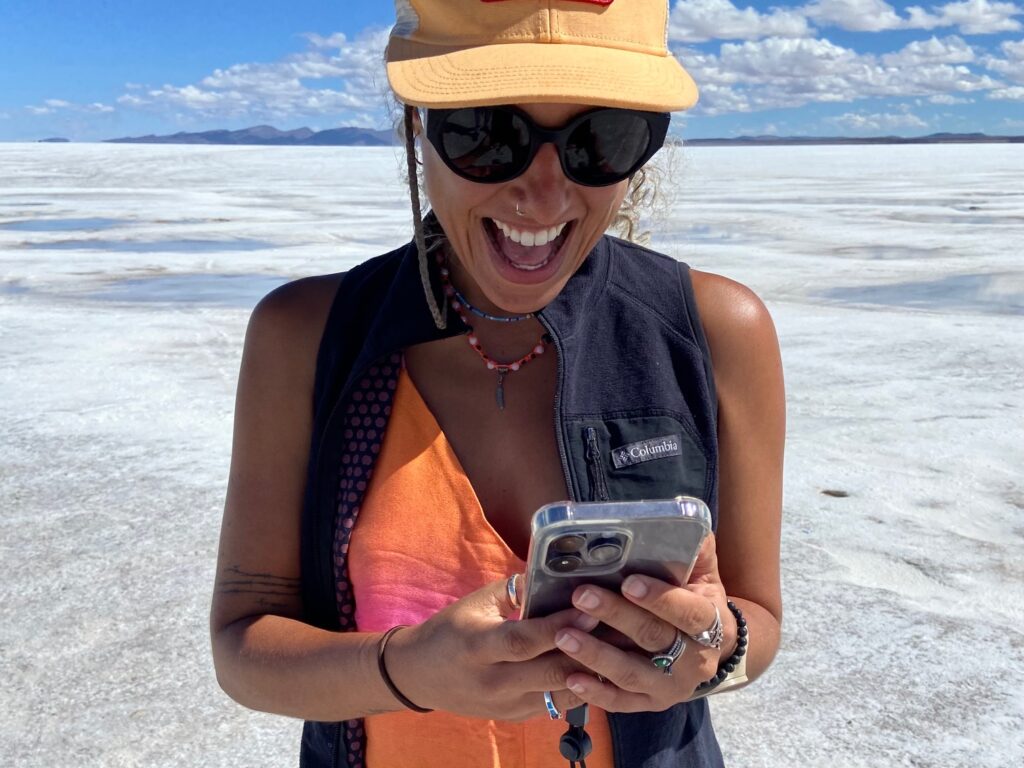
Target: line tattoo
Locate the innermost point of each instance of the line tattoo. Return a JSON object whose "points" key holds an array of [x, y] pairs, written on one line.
{"points": [[266, 586]]}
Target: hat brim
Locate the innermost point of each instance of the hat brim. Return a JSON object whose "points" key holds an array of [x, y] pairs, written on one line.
{"points": [[517, 73]]}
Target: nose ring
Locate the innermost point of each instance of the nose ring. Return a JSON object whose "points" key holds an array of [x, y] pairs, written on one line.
{"points": [[519, 212]]}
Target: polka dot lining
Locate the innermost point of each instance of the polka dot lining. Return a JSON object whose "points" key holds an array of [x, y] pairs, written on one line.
{"points": [[366, 416]]}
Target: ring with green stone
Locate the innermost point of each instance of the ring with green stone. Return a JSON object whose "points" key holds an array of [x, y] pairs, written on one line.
{"points": [[668, 657]]}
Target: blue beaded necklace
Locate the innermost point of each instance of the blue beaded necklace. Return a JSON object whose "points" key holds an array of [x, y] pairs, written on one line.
{"points": [[458, 299]]}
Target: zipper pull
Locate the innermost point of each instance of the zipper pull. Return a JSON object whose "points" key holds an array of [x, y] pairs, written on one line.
{"points": [[598, 482]]}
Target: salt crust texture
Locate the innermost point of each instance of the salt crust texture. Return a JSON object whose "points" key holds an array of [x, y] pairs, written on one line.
{"points": [[895, 278]]}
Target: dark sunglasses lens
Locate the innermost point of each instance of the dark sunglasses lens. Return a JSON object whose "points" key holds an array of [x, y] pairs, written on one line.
{"points": [[485, 144], [606, 147]]}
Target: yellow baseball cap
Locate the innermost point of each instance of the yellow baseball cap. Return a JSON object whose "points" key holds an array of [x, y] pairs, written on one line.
{"points": [[610, 53]]}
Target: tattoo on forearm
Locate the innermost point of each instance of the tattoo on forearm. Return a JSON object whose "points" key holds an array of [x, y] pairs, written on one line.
{"points": [[267, 586]]}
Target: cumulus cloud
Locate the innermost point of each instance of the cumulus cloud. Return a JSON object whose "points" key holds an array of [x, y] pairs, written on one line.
{"points": [[854, 15], [1013, 93], [695, 21], [777, 73], [282, 89], [971, 17], [861, 123], [950, 50], [1011, 65], [945, 98]]}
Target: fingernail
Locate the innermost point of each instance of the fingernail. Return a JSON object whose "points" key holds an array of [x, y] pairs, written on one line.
{"points": [[567, 642], [634, 587], [577, 688], [588, 601], [586, 622]]}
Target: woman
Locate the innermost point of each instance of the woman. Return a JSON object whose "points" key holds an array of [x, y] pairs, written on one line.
{"points": [[368, 540]]}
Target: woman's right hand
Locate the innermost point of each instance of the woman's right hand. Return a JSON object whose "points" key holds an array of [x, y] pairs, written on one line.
{"points": [[474, 659]]}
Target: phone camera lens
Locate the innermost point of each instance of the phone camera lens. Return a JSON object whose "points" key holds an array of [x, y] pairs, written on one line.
{"points": [[565, 563], [567, 544], [604, 551]]}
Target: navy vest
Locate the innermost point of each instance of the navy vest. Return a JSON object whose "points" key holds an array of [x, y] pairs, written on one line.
{"points": [[633, 369]]}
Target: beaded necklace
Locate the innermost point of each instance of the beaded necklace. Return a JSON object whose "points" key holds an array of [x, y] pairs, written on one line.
{"points": [[459, 303]]}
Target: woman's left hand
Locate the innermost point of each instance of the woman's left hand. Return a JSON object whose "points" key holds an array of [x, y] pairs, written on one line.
{"points": [[648, 613]]}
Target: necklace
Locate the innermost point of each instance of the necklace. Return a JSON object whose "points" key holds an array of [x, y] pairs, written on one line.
{"points": [[458, 301], [502, 369]]}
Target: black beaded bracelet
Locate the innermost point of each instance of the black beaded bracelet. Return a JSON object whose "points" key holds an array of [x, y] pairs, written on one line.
{"points": [[729, 665], [381, 645]]}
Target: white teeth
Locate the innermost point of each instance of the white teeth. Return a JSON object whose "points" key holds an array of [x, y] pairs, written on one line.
{"points": [[523, 237]]}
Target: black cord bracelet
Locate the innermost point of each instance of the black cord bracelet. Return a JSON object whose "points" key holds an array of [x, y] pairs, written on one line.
{"points": [[381, 645], [729, 665]]}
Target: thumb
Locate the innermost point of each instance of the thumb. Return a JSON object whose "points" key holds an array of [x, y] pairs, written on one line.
{"points": [[705, 569]]}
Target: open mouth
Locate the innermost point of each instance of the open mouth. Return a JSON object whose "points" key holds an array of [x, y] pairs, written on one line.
{"points": [[527, 250]]}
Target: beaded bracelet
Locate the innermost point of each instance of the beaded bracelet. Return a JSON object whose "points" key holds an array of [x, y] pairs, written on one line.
{"points": [[381, 645], [729, 665]]}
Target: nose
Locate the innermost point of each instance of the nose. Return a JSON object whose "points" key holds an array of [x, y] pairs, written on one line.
{"points": [[544, 187]]}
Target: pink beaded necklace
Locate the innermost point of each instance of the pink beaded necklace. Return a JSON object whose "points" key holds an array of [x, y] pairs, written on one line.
{"points": [[459, 304]]}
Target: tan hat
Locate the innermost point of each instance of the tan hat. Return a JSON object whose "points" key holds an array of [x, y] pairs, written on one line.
{"points": [[612, 53]]}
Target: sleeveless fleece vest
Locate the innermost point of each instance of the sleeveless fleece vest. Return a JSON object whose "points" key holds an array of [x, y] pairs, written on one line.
{"points": [[635, 417]]}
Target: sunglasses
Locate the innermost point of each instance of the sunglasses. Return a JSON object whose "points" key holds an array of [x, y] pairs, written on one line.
{"points": [[599, 147]]}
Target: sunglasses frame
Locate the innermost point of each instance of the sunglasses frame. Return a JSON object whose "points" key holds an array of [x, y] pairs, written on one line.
{"points": [[657, 125]]}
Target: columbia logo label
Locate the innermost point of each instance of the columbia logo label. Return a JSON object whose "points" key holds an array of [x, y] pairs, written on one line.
{"points": [[647, 450]]}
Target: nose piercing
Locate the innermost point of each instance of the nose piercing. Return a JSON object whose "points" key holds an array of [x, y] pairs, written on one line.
{"points": [[519, 212]]}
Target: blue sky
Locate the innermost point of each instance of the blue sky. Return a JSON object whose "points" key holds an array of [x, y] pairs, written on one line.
{"points": [[94, 69]]}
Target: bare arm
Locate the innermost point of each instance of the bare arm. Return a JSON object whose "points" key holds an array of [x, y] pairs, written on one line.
{"points": [[751, 435], [265, 657]]}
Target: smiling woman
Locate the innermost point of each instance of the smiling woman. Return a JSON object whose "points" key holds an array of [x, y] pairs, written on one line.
{"points": [[397, 427]]}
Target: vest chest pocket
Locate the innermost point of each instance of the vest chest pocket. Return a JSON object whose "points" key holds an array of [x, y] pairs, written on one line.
{"points": [[632, 458]]}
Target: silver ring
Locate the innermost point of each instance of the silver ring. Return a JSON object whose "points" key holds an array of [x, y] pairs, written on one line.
{"points": [[519, 212], [553, 712], [670, 655], [513, 593], [712, 636]]}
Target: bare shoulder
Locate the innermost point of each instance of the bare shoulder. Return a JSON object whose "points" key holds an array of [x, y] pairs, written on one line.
{"points": [[289, 320], [738, 326]]}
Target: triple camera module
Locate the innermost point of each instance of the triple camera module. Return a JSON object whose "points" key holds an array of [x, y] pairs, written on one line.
{"points": [[572, 551]]}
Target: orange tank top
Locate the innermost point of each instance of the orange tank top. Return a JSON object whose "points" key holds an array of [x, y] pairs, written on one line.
{"points": [[423, 542]]}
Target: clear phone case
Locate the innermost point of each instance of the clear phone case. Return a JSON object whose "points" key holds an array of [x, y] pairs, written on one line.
{"points": [[604, 542]]}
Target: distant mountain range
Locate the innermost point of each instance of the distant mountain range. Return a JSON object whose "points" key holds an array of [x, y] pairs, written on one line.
{"points": [[935, 138], [268, 135], [362, 137]]}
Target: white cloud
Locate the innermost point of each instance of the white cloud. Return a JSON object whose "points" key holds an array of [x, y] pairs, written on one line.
{"points": [[1015, 93], [777, 73], [945, 98], [972, 17], [861, 123], [280, 90], [949, 50], [1012, 66], [694, 21], [52, 106], [854, 15]]}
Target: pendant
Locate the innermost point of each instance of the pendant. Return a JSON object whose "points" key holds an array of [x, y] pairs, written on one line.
{"points": [[499, 394]]}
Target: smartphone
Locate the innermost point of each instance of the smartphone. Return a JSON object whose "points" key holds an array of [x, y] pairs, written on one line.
{"points": [[604, 542]]}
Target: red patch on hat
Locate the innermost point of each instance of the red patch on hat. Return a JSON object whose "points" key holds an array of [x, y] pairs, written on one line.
{"points": [[592, 2]]}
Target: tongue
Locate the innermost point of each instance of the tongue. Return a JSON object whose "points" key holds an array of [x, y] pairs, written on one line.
{"points": [[524, 255]]}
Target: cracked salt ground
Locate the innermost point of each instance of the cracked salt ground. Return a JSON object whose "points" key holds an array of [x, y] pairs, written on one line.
{"points": [[904, 599]]}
